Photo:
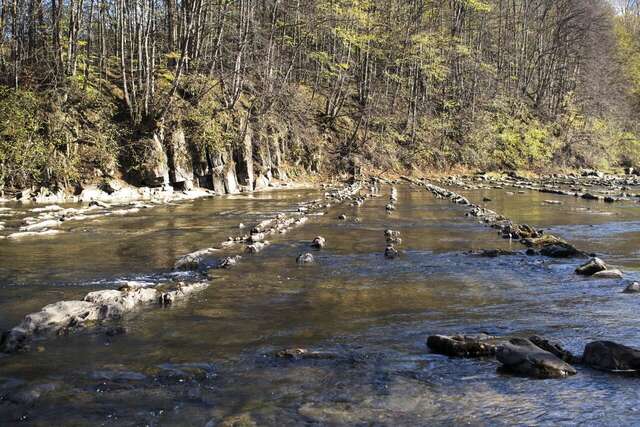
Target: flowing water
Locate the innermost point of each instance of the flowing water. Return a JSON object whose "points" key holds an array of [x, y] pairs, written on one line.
{"points": [[210, 360]]}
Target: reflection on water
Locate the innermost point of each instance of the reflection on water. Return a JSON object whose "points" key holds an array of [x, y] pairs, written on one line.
{"points": [[211, 358]]}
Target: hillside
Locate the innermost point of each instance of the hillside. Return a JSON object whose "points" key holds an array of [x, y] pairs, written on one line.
{"points": [[230, 94]]}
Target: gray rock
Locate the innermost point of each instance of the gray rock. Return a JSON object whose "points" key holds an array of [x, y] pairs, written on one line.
{"points": [[228, 262], [462, 345], [193, 261], [594, 265], [612, 357], [521, 357], [305, 258], [555, 349], [390, 252], [608, 274], [319, 242], [632, 288]]}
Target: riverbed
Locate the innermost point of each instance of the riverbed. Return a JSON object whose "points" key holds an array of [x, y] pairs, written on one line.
{"points": [[210, 360]]}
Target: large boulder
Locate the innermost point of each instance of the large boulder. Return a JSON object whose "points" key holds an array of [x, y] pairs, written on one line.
{"points": [[612, 357], [591, 267], [521, 357]]}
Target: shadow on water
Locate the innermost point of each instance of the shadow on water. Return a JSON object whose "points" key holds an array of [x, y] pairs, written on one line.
{"points": [[212, 358]]}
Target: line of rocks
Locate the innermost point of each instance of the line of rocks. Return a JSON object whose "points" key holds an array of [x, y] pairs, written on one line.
{"points": [[537, 357], [537, 242], [98, 307], [619, 192], [535, 239], [64, 317]]}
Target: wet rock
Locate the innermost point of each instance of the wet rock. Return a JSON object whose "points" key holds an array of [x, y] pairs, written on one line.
{"points": [[555, 349], [303, 353], [114, 331], [560, 250], [608, 274], [494, 253], [181, 292], [29, 395], [51, 223], [319, 242], [486, 199], [229, 262], [305, 258], [632, 288], [194, 260], [390, 207], [520, 231], [521, 357], [589, 196], [181, 372], [594, 265], [114, 303], [390, 252], [117, 376], [552, 246], [342, 217], [552, 202], [52, 319], [24, 234], [612, 357], [99, 204], [462, 345], [256, 247], [256, 237]]}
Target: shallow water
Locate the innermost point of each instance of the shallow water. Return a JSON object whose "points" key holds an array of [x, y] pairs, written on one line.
{"points": [[210, 359]]}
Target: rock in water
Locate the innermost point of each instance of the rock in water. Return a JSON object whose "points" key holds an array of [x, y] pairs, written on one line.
{"points": [[591, 267], [193, 260], [632, 288], [461, 346], [319, 242], [229, 261], [612, 357], [392, 237], [390, 252], [555, 349], [305, 258], [390, 207], [521, 357], [608, 274]]}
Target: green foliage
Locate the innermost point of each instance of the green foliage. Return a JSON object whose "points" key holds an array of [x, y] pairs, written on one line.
{"points": [[509, 136], [42, 143]]}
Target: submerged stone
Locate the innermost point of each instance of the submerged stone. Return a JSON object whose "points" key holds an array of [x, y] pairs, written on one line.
{"points": [[632, 288], [521, 357]]}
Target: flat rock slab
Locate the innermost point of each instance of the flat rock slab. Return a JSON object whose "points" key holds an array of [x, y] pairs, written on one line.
{"points": [[520, 356]]}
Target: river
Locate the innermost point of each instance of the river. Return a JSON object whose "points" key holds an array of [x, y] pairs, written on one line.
{"points": [[210, 360]]}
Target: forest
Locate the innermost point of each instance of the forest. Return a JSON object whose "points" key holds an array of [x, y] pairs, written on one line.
{"points": [[90, 88]]}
